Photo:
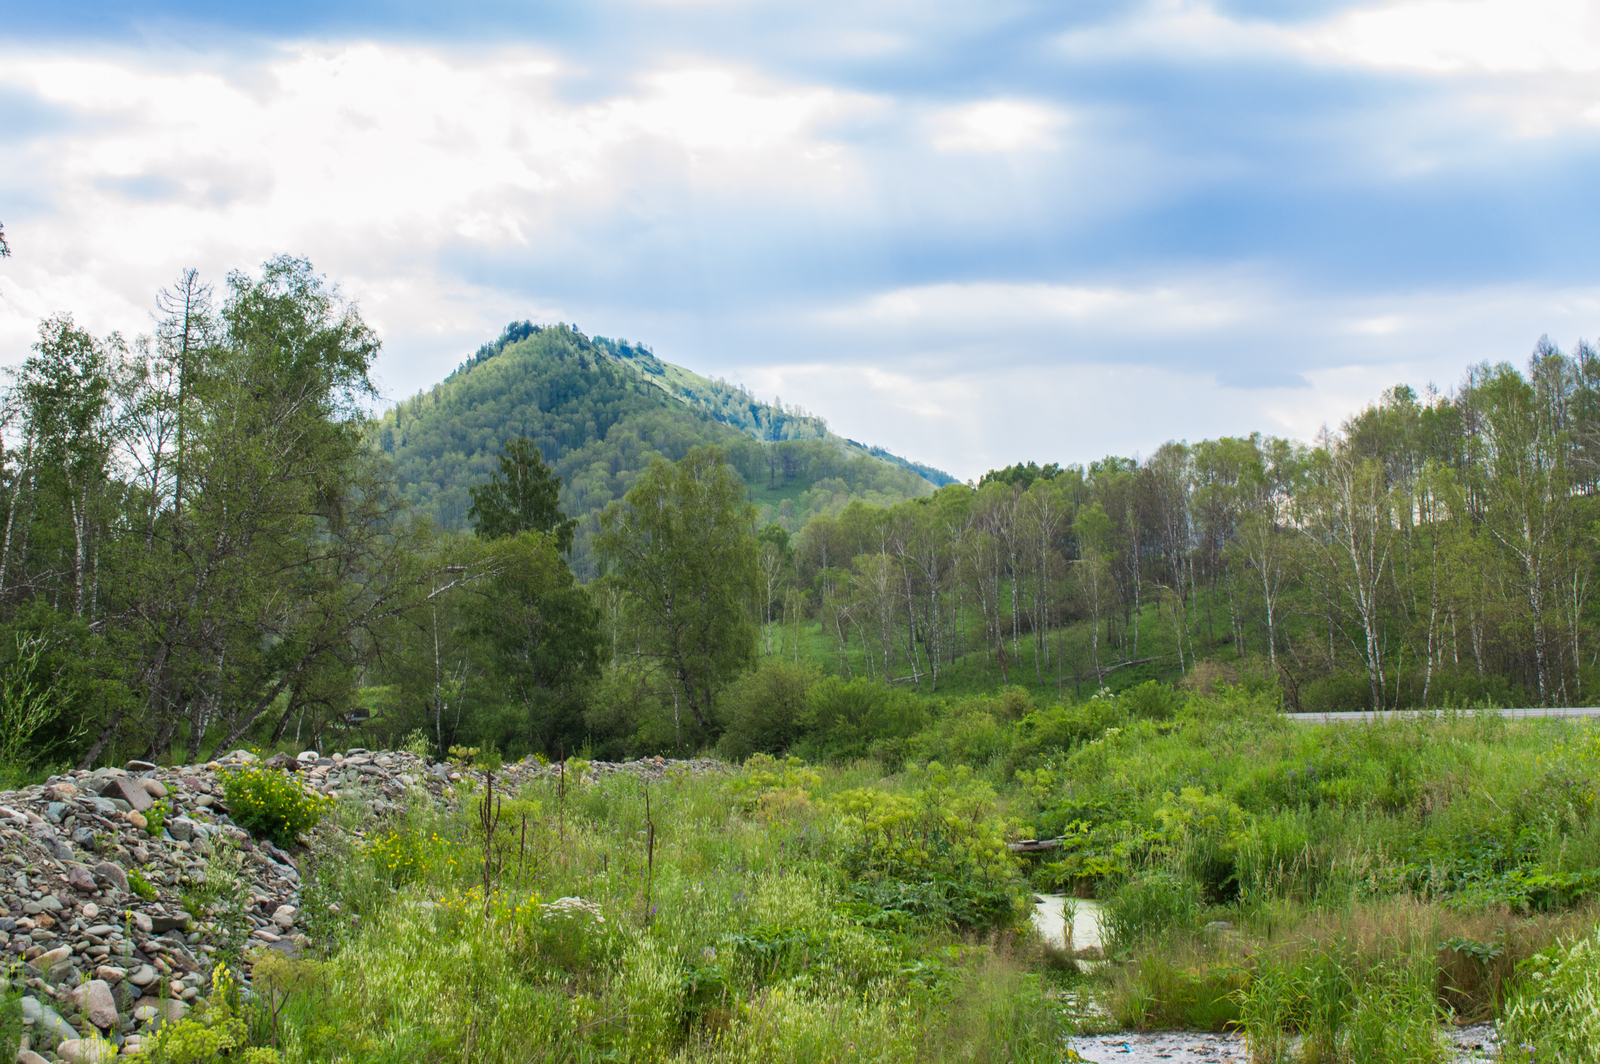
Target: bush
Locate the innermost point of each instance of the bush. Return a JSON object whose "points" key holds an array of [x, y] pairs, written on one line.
{"points": [[938, 856], [858, 719], [215, 1032], [762, 711], [1152, 700], [967, 734], [267, 802]]}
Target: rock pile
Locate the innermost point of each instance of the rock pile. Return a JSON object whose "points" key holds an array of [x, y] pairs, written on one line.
{"points": [[95, 868]]}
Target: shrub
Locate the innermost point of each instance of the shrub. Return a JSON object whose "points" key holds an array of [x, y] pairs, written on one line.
{"points": [[762, 710], [937, 856], [213, 1032], [155, 818], [140, 885], [266, 802], [848, 720], [1152, 700]]}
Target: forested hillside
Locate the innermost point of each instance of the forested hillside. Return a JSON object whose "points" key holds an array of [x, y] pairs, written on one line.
{"points": [[1435, 550], [600, 410]]}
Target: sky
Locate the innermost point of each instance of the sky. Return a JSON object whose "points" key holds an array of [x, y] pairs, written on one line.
{"points": [[972, 231]]}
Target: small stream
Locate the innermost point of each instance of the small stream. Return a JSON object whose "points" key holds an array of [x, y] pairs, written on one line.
{"points": [[1050, 916], [1471, 1045]]}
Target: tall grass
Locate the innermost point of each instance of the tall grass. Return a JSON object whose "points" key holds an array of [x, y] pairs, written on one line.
{"points": [[740, 937]]}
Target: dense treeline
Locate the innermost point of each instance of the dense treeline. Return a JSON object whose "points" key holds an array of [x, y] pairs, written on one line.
{"points": [[1433, 548], [202, 544], [600, 411]]}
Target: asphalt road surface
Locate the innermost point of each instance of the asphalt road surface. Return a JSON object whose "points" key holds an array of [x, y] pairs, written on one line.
{"points": [[1553, 712]]}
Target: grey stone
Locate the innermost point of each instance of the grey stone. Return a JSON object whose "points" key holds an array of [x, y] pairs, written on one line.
{"points": [[28, 1056], [100, 930], [143, 976], [121, 788], [46, 1019], [81, 879], [86, 1051], [94, 999], [50, 958], [139, 766], [112, 873], [56, 810], [154, 788], [84, 839], [181, 828], [162, 923]]}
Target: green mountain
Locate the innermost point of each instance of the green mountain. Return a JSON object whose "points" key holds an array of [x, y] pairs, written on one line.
{"points": [[600, 410]]}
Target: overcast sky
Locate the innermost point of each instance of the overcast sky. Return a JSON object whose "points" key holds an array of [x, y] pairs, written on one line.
{"points": [[972, 231]]}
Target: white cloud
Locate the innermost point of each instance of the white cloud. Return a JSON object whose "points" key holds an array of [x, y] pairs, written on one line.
{"points": [[972, 377], [995, 126], [1450, 36], [952, 309], [370, 160]]}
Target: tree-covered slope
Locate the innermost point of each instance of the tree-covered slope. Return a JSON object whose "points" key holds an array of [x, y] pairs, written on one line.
{"points": [[600, 410]]}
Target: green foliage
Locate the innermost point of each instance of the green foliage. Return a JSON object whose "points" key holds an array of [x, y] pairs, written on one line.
{"points": [[29, 701], [214, 1033], [1343, 1009], [1149, 906], [749, 949], [683, 549], [859, 718], [765, 710], [937, 855], [1553, 1014], [155, 818], [522, 496], [140, 885], [10, 1019], [269, 802]]}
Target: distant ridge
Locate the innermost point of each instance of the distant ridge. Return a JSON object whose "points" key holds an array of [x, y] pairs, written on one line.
{"points": [[600, 410]]}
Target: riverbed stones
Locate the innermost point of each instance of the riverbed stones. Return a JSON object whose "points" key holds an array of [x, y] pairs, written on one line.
{"points": [[94, 1000], [121, 788], [106, 940], [111, 874], [86, 1051]]}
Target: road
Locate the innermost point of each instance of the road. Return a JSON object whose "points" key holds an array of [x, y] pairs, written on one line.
{"points": [[1553, 712]]}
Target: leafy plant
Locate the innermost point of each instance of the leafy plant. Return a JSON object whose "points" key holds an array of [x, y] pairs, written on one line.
{"points": [[267, 802], [155, 818], [28, 704], [213, 1033], [140, 885]]}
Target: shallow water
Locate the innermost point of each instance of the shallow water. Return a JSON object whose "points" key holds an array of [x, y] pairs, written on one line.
{"points": [[1050, 918]]}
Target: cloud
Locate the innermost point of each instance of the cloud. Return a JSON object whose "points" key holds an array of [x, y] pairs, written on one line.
{"points": [[1467, 36], [973, 232], [995, 126]]}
